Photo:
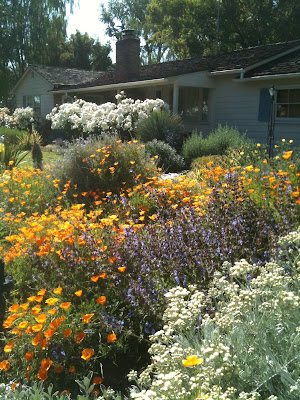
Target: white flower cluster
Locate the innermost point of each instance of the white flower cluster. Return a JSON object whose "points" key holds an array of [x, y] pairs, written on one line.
{"points": [[23, 117], [6, 119], [108, 117], [247, 334]]}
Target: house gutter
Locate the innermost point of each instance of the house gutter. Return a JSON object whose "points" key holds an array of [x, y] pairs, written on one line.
{"points": [[227, 72], [267, 77], [123, 85]]}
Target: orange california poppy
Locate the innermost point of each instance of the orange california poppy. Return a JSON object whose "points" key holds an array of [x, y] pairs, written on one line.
{"points": [[101, 300], [78, 293], [24, 306], [52, 311], [58, 369], [57, 290], [87, 354], [39, 299], [4, 365], [122, 269], [111, 338], [46, 363], [52, 301], [42, 374], [8, 348], [9, 321], [31, 298], [97, 380], [42, 292], [87, 318], [72, 369], [14, 308], [41, 318], [67, 332], [79, 336], [287, 154], [65, 306], [29, 356], [37, 339], [37, 327], [22, 325], [35, 310], [49, 333]]}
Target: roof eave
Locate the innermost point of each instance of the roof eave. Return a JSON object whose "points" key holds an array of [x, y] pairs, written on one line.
{"points": [[268, 77], [122, 85], [227, 72]]}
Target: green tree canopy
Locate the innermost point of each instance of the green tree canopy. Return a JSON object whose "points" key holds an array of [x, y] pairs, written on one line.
{"points": [[82, 51], [172, 29]]}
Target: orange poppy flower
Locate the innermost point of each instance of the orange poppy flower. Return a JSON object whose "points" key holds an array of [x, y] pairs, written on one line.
{"points": [[78, 293], [46, 363], [52, 301], [9, 321], [79, 336], [39, 299], [97, 380], [31, 298], [72, 369], [287, 154], [41, 318], [29, 356], [58, 369], [101, 300], [14, 308], [49, 333], [122, 269], [65, 306], [16, 332], [4, 365], [42, 292], [111, 338], [35, 310], [37, 327], [29, 330], [14, 385], [52, 311], [24, 306], [57, 290], [37, 339], [96, 277], [42, 374], [87, 318], [87, 354], [67, 332], [8, 348], [22, 325]]}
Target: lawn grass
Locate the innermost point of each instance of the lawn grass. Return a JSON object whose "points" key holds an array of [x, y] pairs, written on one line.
{"points": [[49, 157]]}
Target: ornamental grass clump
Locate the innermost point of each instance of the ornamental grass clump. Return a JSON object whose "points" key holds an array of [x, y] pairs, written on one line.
{"points": [[166, 156], [104, 164], [237, 340]]}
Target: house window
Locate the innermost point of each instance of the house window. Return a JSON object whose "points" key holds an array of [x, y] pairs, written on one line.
{"points": [[288, 103], [33, 102], [193, 104]]}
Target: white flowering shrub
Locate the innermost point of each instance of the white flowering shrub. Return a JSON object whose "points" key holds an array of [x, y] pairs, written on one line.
{"points": [[82, 117], [23, 118], [240, 340], [6, 119]]}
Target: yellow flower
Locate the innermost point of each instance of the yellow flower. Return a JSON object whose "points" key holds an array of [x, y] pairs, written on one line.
{"points": [[287, 154], [191, 361]]}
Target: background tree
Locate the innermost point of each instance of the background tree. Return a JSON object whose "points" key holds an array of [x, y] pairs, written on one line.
{"points": [[83, 52], [130, 14]]}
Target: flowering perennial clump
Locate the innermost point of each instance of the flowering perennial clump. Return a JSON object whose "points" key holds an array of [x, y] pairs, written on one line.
{"points": [[108, 117], [239, 340]]}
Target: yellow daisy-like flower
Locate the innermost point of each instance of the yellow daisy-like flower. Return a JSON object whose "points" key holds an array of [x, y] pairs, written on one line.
{"points": [[191, 361]]}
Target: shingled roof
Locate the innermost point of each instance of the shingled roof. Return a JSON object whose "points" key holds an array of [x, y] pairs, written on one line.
{"points": [[59, 77], [66, 78]]}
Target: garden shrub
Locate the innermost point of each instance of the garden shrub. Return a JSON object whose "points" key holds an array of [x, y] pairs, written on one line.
{"points": [[216, 143], [237, 340], [168, 159], [103, 164], [82, 118], [162, 125]]}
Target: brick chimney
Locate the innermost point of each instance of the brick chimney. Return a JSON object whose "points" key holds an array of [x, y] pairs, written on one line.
{"points": [[128, 56]]}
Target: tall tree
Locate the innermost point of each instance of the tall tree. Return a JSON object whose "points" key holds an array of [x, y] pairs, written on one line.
{"points": [[130, 14], [82, 51]]}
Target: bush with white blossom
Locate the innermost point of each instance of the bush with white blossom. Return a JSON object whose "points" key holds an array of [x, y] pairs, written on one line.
{"points": [[23, 118], [6, 119], [238, 340], [82, 117]]}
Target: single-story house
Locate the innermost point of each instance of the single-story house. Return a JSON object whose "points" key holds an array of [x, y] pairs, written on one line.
{"points": [[228, 88]]}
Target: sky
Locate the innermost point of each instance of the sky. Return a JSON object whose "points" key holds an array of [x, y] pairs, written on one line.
{"points": [[85, 18]]}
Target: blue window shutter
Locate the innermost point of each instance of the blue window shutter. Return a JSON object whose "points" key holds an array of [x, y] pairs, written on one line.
{"points": [[264, 105]]}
